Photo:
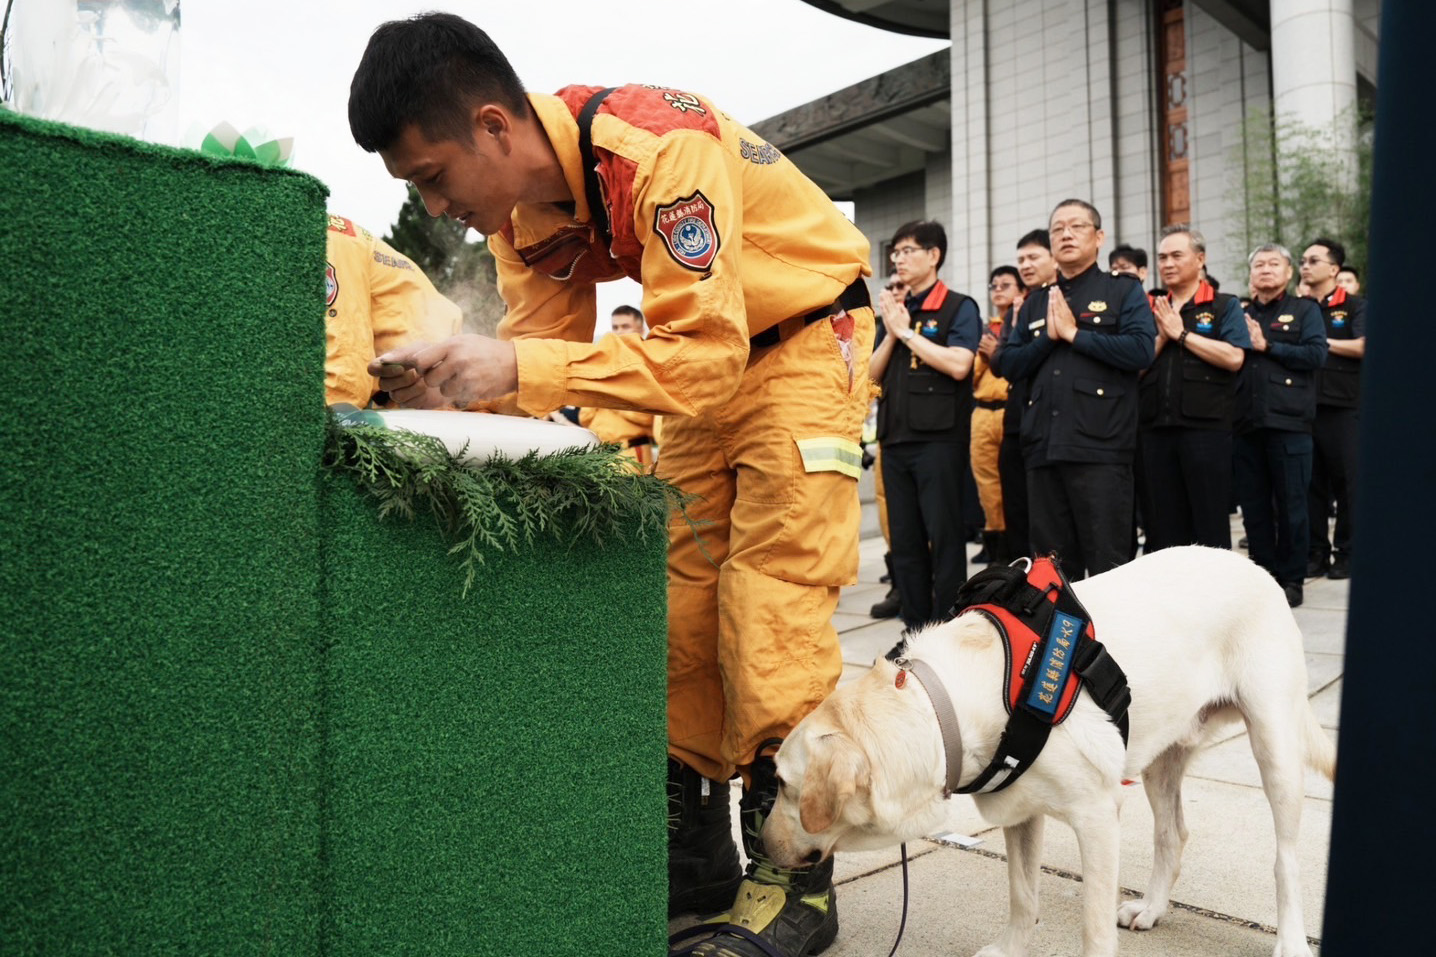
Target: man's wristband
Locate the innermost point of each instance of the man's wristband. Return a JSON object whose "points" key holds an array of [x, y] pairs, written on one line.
{"points": [[1183, 337]]}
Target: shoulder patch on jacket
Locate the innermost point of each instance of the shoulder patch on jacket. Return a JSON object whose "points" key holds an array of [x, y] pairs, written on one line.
{"points": [[655, 109], [687, 228], [341, 225]]}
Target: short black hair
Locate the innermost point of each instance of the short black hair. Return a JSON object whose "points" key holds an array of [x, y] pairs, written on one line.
{"points": [[1333, 248], [633, 311], [1133, 254], [927, 234], [429, 70], [1092, 210], [1006, 271], [1038, 237], [1348, 267]]}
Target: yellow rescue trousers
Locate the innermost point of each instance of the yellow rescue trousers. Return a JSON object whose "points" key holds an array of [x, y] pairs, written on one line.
{"points": [[984, 445], [751, 643]]}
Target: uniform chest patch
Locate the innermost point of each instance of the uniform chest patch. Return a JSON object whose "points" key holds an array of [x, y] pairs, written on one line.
{"points": [[686, 226], [1204, 321], [331, 284], [1096, 305], [1338, 319]]}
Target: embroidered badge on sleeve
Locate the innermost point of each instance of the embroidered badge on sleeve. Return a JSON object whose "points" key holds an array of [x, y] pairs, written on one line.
{"points": [[687, 228]]}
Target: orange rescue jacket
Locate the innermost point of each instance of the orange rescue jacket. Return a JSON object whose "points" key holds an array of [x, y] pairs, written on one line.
{"points": [[726, 235]]}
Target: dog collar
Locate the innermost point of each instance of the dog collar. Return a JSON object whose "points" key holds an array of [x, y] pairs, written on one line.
{"points": [[930, 683]]}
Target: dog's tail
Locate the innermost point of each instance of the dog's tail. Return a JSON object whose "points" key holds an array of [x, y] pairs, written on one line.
{"points": [[1320, 749]]}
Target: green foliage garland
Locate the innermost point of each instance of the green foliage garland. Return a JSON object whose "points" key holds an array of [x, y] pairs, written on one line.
{"points": [[577, 494]]}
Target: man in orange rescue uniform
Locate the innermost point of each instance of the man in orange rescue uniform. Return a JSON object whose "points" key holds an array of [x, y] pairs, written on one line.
{"points": [[632, 431], [761, 329], [376, 300]]}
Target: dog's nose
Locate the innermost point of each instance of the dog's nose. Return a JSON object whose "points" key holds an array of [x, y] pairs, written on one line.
{"points": [[815, 856]]}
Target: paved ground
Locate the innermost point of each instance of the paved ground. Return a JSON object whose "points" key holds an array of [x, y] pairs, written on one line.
{"points": [[1225, 899]]}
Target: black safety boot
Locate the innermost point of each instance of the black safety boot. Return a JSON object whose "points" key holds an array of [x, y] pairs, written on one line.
{"points": [[890, 606], [779, 912], [995, 545], [703, 868]]}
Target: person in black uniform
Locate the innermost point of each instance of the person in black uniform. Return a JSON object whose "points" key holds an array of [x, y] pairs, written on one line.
{"points": [[1338, 393], [1038, 269], [1276, 405], [924, 422], [1188, 400], [1079, 346]]}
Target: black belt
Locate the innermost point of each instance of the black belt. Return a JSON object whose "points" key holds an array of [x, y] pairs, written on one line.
{"points": [[641, 440], [990, 403], [853, 297]]}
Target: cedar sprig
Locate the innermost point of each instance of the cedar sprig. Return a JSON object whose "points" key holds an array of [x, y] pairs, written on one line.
{"points": [[503, 504]]}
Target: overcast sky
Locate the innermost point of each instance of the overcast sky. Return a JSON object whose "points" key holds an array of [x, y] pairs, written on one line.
{"points": [[286, 65]]}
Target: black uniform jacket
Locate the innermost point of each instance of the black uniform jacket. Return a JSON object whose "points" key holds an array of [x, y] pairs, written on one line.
{"points": [[1278, 386], [1082, 397]]}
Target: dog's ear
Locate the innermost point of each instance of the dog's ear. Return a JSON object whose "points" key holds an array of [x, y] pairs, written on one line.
{"points": [[835, 770]]}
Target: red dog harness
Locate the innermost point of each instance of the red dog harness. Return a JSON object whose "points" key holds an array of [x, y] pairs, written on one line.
{"points": [[1052, 653]]}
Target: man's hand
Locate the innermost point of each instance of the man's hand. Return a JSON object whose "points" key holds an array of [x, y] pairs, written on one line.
{"points": [[463, 369], [1254, 329], [1169, 323], [895, 314], [988, 344], [1061, 324]]}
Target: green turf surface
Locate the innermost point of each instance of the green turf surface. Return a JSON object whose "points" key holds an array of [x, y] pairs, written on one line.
{"points": [[497, 760], [163, 321], [238, 713]]}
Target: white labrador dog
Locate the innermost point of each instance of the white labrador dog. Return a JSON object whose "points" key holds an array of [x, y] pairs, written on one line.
{"points": [[1205, 638]]}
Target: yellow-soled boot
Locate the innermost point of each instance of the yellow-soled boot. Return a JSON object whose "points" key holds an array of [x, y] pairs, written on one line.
{"points": [[779, 912]]}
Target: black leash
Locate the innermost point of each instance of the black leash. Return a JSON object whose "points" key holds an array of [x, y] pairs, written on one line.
{"points": [[902, 926]]}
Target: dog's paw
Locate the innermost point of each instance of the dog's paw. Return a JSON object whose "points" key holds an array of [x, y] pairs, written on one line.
{"points": [[1140, 914], [1293, 948], [993, 950]]}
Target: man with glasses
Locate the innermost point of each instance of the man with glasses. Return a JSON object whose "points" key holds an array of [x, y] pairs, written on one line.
{"points": [[1080, 345], [924, 364], [1188, 400], [1129, 259], [1276, 405], [989, 395], [1338, 395]]}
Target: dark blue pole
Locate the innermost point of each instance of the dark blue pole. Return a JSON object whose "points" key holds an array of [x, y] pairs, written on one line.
{"points": [[1380, 892]]}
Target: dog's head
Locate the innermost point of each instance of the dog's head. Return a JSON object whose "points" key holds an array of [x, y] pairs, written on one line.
{"points": [[851, 778]]}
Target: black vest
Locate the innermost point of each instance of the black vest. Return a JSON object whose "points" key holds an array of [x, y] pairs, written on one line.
{"points": [[1339, 381], [1183, 390], [1271, 396], [919, 403]]}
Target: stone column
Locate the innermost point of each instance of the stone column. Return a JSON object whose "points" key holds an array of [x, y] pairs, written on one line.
{"points": [[1313, 63], [968, 234]]}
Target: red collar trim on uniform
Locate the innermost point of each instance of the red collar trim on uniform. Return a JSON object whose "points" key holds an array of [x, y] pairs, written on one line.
{"points": [[1204, 294], [1337, 297], [936, 296]]}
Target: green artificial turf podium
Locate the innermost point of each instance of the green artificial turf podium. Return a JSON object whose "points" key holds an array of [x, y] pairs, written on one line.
{"points": [[241, 714]]}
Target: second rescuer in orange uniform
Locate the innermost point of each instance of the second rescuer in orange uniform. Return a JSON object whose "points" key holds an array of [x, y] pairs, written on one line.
{"points": [[376, 300], [757, 358], [635, 433]]}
